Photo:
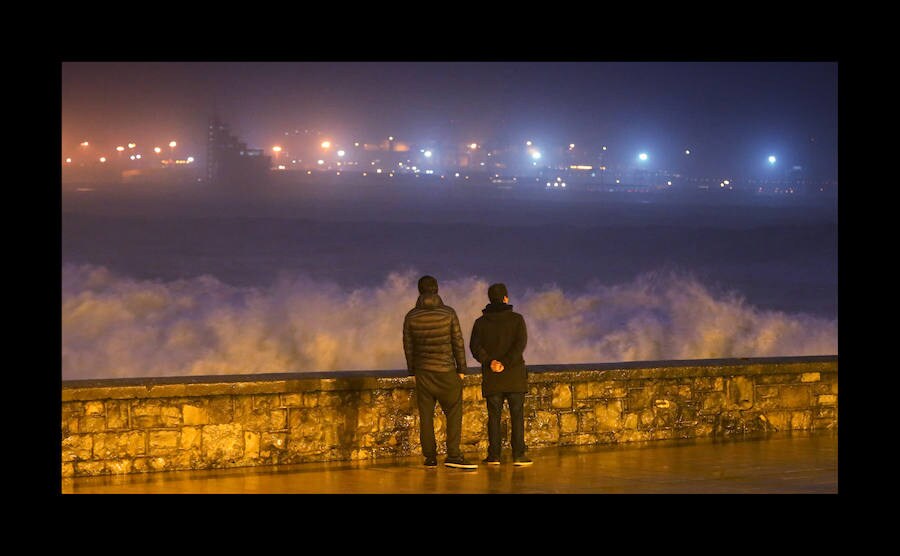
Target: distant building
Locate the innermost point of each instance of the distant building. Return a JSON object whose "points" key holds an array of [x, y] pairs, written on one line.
{"points": [[230, 163]]}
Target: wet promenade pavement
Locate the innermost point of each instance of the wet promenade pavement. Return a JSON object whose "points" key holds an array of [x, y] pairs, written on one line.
{"points": [[778, 463]]}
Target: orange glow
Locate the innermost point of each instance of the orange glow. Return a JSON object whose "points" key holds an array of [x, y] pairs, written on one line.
{"points": [[85, 144], [157, 150], [326, 144], [276, 148], [131, 145], [120, 148], [173, 144], [102, 159]]}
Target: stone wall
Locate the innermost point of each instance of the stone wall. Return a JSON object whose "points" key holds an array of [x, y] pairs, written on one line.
{"points": [[143, 425]]}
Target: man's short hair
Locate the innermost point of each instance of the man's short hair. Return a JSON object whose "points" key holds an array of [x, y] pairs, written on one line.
{"points": [[497, 292], [428, 284]]}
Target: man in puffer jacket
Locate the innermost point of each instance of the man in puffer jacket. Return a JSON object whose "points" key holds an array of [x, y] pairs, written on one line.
{"points": [[436, 357]]}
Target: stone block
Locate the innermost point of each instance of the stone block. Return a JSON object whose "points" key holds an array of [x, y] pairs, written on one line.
{"points": [[776, 379], [117, 414], [474, 426], [146, 414], [119, 466], [190, 438], [562, 396], [739, 391], [162, 442], [826, 399], [77, 447], [631, 421], [404, 399], [801, 420], [568, 423], [543, 428], [825, 413], [195, 415], [113, 445], [292, 400], [222, 443], [704, 383], [220, 410], [608, 416], [810, 377], [92, 423], [89, 468], [794, 396], [646, 419], [251, 444], [767, 391], [470, 393], [779, 420], [170, 416], [94, 408], [632, 435], [712, 401], [640, 398], [68, 470]]}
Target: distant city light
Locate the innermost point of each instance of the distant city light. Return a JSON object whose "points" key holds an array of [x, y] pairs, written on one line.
{"points": [[669, 182], [571, 146], [281, 166], [131, 145], [120, 148], [341, 153], [102, 159], [473, 146], [687, 151], [131, 157], [138, 156], [428, 154], [535, 154], [68, 161], [604, 147], [189, 159], [173, 144], [456, 175], [85, 144], [276, 149], [320, 162], [617, 181], [326, 144], [726, 182], [157, 150], [356, 144], [772, 159], [378, 171], [528, 143], [391, 138], [642, 156]]}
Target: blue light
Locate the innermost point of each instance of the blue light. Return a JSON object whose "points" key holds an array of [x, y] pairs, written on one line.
{"points": [[535, 155], [772, 159], [642, 156], [427, 154]]}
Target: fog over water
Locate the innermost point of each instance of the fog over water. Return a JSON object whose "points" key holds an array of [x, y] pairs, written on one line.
{"points": [[161, 282]]}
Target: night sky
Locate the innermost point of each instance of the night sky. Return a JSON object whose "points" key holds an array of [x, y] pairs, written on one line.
{"points": [[731, 115]]}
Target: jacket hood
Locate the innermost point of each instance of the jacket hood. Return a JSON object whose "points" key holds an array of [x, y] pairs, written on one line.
{"points": [[427, 300], [492, 309]]}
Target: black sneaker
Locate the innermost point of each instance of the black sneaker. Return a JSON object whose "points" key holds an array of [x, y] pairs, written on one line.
{"points": [[491, 461], [522, 461], [460, 463], [431, 462]]}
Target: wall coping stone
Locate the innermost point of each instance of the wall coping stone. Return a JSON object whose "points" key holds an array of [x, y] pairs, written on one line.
{"points": [[273, 383]]}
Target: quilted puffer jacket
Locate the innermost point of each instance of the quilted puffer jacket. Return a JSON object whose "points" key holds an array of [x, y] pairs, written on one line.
{"points": [[432, 338]]}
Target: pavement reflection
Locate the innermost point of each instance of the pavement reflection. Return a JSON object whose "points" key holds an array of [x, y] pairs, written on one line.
{"points": [[777, 463]]}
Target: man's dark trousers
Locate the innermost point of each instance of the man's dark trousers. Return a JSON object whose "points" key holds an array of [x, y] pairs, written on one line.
{"points": [[516, 402], [445, 389]]}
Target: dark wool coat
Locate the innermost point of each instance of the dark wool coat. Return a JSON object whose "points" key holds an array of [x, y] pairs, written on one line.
{"points": [[500, 334]]}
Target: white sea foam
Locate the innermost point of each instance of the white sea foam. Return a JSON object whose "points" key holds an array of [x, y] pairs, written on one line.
{"points": [[116, 326]]}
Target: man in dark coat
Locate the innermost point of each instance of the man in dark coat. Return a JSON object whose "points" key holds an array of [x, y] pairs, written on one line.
{"points": [[436, 357], [498, 342]]}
